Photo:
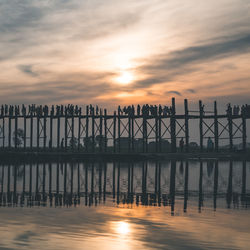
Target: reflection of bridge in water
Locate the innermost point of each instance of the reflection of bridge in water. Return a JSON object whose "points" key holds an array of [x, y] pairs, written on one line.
{"points": [[142, 183]]}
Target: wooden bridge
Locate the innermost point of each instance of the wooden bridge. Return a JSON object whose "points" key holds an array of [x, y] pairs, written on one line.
{"points": [[147, 129]]}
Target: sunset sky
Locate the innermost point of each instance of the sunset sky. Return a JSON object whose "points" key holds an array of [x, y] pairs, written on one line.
{"points": [[122, 52]]}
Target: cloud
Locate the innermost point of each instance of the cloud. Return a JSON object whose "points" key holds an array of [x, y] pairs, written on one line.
{"points": [[27, 69], [173, 92], [167, 67]]}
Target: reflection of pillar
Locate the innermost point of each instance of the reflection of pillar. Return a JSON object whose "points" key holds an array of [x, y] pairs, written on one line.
{"points": [[159, 184], [105, 181], [37, 175], [57, 178], [230, 185], [186, 187], [30, 188], [100, 181], [86, 184], [113, 180], [244, 176], [156, 178], [200, 186], [15, 173], [128, 179], [2, 178], [172, 185], [44, 175], [92, 179], [8, 183], [65, 178], [50, 178], [132, 178], [118, 184], [71, 179], [78, 179], [216, 175]]}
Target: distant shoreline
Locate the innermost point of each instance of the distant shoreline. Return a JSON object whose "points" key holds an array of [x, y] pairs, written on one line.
{"points": [[34, 156]]}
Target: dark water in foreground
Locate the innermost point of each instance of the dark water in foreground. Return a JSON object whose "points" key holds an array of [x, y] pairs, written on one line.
{"points": [[144, 205]]}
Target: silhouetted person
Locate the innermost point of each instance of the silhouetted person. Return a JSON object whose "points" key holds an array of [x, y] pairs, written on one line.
{"points": [[62, 143], [181, 144], [210, 144]]}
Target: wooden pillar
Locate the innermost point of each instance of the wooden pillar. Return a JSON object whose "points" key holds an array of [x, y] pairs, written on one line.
{"points": [[186, 125], [72, 131], [44, 131], [114, 133], [24, 177], [119, 131], [25, 130], [3, 129], [79, 132], [37, 131], [244, 133], [216, 175], [58, 131], [173, 127], [159, 129], [87, 129], [201, 109], [133, 132], [16, 127], [31, 130], [51, 131], [156, 135], [105, 131], [145, 136], [129, 132], [66, 130], [9, 138], [230, 129], [100, 132], [93, 131], [216, 132], [186, 186]]}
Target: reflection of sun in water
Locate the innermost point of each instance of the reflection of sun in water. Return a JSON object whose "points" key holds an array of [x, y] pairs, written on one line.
{"points": [[125, 78], [122, 227]]}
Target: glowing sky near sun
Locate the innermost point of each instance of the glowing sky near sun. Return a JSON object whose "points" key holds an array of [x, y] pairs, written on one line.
{"points": [[110, 52]]}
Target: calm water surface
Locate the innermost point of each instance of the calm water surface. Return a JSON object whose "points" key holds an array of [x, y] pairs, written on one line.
{"points": [[142, 205]]}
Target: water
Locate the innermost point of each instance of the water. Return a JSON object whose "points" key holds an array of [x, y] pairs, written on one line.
{"points": [[140, 205]]}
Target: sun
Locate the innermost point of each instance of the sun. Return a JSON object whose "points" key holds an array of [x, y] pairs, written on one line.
{"points": [[125, 78]]}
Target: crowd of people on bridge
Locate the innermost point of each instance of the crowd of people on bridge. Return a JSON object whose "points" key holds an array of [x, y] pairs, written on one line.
{"points": [[236, 110], [146, 110], [131, 110]]}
